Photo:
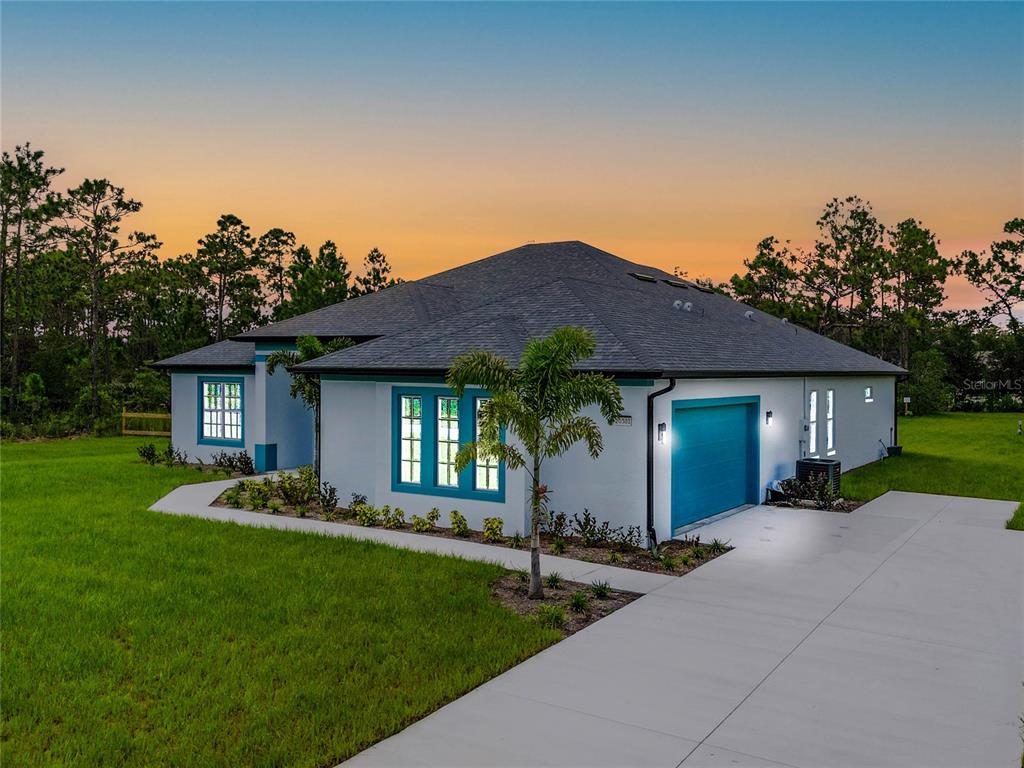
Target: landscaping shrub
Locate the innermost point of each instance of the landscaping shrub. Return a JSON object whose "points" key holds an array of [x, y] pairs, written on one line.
{"points": [[274, 507], [308, 478], [421, 524], [578, 601], [148, 453], [628, 539], [516, 540], [236, 461], [522, 575], [601, 589], [493, 527], [433, 516], [301, 510], [172, 457], [258, 495], [393, 518], [557, 546], [233, 496], [369, 515], [717, 547], [614, 558], [553, 580], [552, 616], [357, 499], [816, 489], [459, 525], [557, 524], [292, 490], [328, 498], [590, 533]]}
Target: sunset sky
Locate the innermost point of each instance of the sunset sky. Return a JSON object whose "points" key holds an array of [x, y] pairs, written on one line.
{"points": [[673, 134]]}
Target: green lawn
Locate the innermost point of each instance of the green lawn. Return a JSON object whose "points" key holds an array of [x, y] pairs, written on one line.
{"points": [[136, 638], [959, 454]]}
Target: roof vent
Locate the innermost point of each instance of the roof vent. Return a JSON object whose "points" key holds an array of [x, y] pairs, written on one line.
{"points": [[645, 278], [685, 306], [749, 314], [785, 321], [676, 283]]}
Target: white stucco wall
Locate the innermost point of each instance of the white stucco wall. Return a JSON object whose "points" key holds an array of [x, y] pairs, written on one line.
{"points": [[184, 414], [356, 457], [357, 451], [859, 426], [289, 424]]}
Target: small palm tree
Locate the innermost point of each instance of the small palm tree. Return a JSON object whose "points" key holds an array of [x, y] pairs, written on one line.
{"points": [[539, 401], [307, 385]]}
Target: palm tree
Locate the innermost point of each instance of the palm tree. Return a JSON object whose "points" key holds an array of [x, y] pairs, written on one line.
{"points": [[307, 385], [539, 401]]}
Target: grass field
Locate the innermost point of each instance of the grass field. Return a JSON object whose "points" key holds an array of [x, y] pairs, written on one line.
{"points": [[135, 638], [959, 454]]}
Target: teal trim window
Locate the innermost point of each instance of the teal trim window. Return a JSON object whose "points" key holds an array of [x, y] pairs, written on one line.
{"points": [[486, 476], [447, 441], [411, 453], [428, 426], [221, 411]]}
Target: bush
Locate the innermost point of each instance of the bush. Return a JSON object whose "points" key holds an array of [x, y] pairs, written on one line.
{"points": [[557, 524], [516, 540], [369, 515], [148, 453], [628, 539], [493, 527], [589, 532], [421, 524], [459, 525], [718, 547], [357, 499], [433, 516], [601, 589], [578, 601], [308, 478], [293, 491], [551, 616], [522, 575], [557, 546], [816, 489], [233, 496], [172, 457], [238, 461], [614, 558], [393, 518], [328, 498], [301, 510], [553, 580], [258, 495], [274, 507]]}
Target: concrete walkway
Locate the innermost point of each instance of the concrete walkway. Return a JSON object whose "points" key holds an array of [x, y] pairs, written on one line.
{"points": [[195, 500], [891, 636]]}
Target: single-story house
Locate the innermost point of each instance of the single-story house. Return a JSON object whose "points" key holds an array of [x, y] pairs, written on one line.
{"points": [[720, 399]]}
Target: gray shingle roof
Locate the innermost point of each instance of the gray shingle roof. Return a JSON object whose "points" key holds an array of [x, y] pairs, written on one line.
{"points": [[226, 354], [499, 303]]}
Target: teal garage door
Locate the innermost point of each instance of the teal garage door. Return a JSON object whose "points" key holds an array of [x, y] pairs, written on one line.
{"points": [[714, 457]]}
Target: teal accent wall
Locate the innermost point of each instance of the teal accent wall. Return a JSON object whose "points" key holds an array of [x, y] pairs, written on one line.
{"points": [[266, 457]]}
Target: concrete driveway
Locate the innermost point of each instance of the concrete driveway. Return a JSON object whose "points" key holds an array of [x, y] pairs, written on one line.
{"points": [[893, 635]]}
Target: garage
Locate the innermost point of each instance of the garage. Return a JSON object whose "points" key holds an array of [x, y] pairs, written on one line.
{"points": [[714, 457]]}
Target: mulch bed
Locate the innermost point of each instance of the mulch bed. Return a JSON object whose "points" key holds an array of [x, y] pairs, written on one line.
{"points": [[511, 591], [676, 557], [842, 505]]}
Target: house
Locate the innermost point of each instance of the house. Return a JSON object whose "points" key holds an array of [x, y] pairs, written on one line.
{"points": [[720, 399]]}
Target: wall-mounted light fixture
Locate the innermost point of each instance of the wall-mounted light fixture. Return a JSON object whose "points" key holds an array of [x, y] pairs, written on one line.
{"points": [[768, 418], [661, 432]]}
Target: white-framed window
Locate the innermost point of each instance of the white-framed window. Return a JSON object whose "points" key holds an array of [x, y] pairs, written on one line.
{"points": [[447, 441], [486, 466], [222, 411], [412, 438], [812, 422], [869, 395], [830, 422]]}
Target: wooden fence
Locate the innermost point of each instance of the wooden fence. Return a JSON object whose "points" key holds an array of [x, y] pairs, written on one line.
{"points": [[136, 423]]}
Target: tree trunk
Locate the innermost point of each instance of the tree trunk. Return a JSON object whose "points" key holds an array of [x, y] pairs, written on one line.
{"points": [[536, 587]]}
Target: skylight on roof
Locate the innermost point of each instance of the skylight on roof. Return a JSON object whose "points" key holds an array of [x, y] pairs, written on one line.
{"points": [[645, 278]]}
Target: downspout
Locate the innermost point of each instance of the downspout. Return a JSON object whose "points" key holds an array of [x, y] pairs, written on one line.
{"points": [[652, 536]]}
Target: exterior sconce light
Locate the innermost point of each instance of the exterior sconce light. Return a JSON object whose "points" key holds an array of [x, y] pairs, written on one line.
{"points": [[768, 418], [661, 432]]}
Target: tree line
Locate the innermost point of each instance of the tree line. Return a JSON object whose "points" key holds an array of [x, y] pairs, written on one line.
{"points": [[85, 302], [880, 288]]}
